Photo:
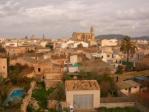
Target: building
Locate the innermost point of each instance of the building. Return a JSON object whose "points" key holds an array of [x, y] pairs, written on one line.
{"points": [[81, 36], [15, 51], [3, 67], [51, 80], [82, 94], [109, 42], [128, 87], [74, 59]]}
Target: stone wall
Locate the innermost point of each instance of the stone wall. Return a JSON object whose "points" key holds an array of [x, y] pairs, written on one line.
{"points": [[27, 98], [114, 102], [117, 104], [122, 102], [3, 67]]}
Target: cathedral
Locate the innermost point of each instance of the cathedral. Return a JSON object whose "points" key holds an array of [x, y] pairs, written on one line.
{"points": [[81, 36]]}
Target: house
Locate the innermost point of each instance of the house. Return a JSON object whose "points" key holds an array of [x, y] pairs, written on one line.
{"points": [[3, 67], [109, 42], [82, 94], [111, 55], [15, 51], [52, 79], [128, 87], [53, 75]]}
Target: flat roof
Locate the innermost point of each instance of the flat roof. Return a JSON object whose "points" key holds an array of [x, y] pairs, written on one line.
{"points": [[72, 85], [127, 84]]}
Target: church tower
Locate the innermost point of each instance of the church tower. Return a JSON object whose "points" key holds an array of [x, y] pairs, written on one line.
{"points": [[92, 30], [92, 33]]}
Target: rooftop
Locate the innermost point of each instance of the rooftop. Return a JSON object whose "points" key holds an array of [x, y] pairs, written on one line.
{"points": [[127, 84], [72, 85]]}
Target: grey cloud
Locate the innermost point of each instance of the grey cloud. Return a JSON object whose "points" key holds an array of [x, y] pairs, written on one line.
{"points": [[59, 18]]}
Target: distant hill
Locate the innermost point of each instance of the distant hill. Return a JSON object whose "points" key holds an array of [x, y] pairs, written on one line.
{"points": [[142, 37], [119, 36], [111, 36]]}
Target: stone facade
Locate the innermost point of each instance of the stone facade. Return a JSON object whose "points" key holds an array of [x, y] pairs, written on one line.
{"points": [[81, 36], [3, 67]]}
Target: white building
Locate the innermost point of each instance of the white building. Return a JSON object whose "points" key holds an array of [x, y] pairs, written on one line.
{"points": [[43, 43], [11, 44], [109, 42], [74, 44], [142, 42], [84, 44], [67, 44]]}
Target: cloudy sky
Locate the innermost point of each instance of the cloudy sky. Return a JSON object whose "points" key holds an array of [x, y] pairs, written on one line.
{"points": [[59, 18]]}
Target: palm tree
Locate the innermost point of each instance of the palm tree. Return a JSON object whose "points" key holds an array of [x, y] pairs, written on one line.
{"points": [[128, 47]]}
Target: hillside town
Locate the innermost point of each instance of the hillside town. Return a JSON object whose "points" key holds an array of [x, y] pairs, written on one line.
{"points": [[82, 73]]}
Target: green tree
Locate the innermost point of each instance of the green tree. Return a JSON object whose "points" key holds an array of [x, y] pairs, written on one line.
{"points": [[128, 47], [50, 46], [58, 93], [41, 95]]}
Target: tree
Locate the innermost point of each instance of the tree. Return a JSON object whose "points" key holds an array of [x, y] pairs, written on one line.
{"points": [[80, 45], [50, 46], [58, 93], [128, 47]]}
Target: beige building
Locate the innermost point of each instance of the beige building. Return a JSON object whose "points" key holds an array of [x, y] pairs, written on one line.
{"points": [[3, 67], [81, 36], [82, 94]]}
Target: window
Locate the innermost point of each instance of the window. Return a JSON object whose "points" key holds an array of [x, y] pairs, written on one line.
{"points": [[39, 69]]}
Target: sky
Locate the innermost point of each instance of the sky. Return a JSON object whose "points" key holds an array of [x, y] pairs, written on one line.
{"points": [[60, 18]]}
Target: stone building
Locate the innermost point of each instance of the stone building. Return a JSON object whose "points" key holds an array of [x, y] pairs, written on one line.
{"points": [[81, 36], [15, 51], [3, 67], [82, 94]]}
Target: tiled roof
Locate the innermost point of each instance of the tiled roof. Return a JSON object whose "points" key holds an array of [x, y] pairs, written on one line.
{"points": [[72, 85]]}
